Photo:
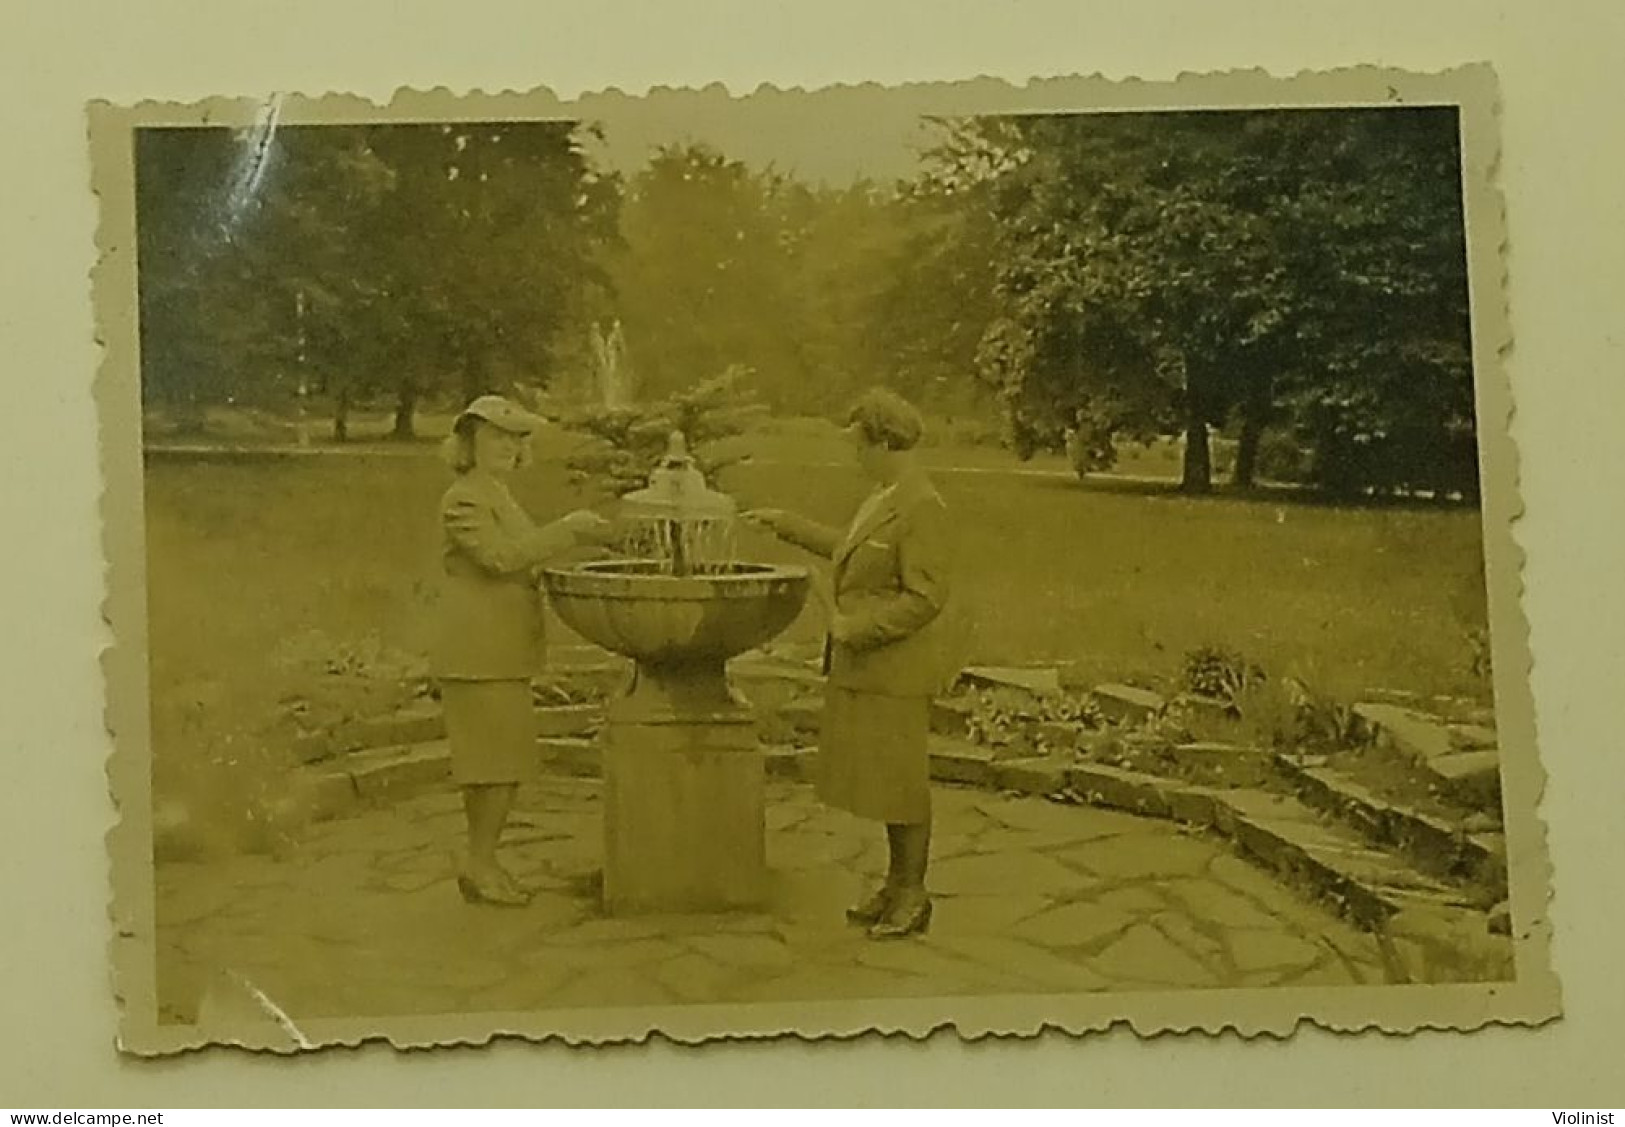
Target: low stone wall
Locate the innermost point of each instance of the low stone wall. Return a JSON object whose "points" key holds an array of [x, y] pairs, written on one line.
{"points": [[1434, 890]]}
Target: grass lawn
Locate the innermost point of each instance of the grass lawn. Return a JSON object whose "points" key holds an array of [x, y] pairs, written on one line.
{"points": [[311, 578], [249, 560]]}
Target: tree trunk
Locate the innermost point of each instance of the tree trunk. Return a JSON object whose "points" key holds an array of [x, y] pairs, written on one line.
{"points": [[406, 407], [1198, 476], [1245, 474], [185, 402], [475, 379], [1256, 403], [341, 416], [189, 416]]}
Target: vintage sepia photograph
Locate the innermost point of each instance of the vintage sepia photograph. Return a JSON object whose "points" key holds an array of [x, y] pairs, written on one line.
{"points": [[964, 556]]}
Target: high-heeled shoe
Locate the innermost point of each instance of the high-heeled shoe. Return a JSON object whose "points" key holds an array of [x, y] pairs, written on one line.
{"points": [[504, 893], [872, 910], [904, 920]]}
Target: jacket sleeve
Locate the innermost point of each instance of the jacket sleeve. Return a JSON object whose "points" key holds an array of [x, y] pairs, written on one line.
{"points": [[473, 528], [819, 539], [925, 557]]}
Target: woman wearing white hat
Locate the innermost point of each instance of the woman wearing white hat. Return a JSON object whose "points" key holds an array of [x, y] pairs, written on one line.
{"points": [[489, 642]]}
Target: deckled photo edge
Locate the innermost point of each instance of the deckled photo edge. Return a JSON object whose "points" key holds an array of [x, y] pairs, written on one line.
{"points": [[1533, 999]]}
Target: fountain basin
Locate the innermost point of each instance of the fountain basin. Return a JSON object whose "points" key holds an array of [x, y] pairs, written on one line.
{"points": [[684, 784], [639, 610]]}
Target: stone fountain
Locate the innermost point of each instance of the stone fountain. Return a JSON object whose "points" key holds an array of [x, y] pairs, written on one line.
{"points": [[684, 780]]}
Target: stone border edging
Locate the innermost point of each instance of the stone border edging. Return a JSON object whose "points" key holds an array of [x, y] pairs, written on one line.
{"points": [[1285, 835], [1431, 843], [1422, 922], [1462, 758]]}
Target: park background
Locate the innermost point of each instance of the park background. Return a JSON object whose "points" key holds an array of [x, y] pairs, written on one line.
{"points": [[1245, 332], [1564, 447]]}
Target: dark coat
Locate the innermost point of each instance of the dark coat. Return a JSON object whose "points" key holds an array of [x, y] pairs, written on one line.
{"points": [[892, 580]]}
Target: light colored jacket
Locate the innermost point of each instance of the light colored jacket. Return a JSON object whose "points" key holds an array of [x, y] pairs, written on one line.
{"points": [[490, 609], [892, 580]]}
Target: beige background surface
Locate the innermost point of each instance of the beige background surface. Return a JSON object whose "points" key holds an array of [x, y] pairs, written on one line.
{"points": [[1563, 158]]}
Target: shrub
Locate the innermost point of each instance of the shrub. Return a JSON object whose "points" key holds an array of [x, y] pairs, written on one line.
{"points": [[1285, 714], [1281, 457], [629, 441], [228, 793], [556, 690], [225, 767], [965, 432], [1480, 663], [1215, 671], [1090, 448], [1001, 717]]}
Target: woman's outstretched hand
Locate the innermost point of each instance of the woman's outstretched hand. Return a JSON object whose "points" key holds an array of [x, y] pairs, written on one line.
{"points": [[768, 520], [590, 529]]}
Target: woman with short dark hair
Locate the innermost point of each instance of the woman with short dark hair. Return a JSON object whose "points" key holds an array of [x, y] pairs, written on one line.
{"points": [[888, 651]]}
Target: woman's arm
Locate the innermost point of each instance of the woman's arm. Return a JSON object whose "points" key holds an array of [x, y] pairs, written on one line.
{"points": [[473, 527], [819, 539], [925, 552]]}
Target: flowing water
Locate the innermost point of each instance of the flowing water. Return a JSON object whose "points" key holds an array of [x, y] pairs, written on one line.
{"points": [[678, 521], [685, 546]]}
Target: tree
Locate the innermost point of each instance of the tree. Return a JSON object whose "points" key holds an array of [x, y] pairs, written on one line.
{"points": [[410, 260], [1381, 384], [498, 230], [702, 283], [319, 270], [817, 291], [1170, 272], [837, 245], [196, 306], [1118, 238], [924, 323]]}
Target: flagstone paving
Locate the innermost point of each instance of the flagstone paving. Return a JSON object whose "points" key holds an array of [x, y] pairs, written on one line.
{"points": [[362, 918]]}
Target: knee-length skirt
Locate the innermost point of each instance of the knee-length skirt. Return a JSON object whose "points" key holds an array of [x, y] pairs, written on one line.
{"points": [[872, 756], [491, 726]]}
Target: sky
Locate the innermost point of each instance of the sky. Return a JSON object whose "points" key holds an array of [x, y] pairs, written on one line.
{"points": [[831, 137]]}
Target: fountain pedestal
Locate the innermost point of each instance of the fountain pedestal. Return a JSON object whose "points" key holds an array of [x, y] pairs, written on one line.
{"points": [[684, 798], [684, 779]]}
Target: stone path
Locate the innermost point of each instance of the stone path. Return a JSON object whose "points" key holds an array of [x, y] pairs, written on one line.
{"points": [[362, 917]]}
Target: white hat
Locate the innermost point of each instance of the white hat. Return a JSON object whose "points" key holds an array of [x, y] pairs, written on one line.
{"points": [[502, 413]]}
